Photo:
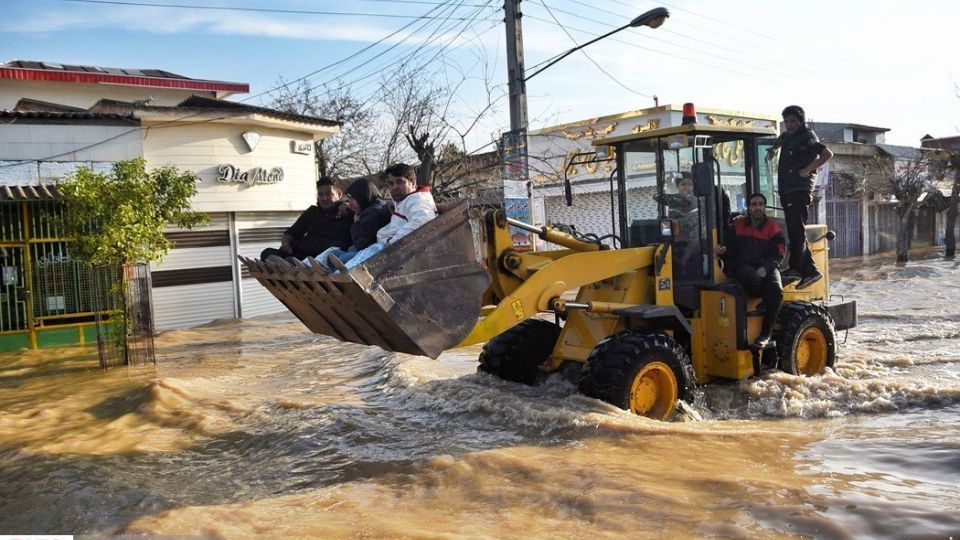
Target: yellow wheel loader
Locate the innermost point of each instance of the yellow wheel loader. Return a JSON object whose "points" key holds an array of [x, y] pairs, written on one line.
{"points": [[638, 318]]}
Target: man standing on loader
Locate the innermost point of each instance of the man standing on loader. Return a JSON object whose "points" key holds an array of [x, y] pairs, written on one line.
{"points": [[801, 154], [752, 256]]}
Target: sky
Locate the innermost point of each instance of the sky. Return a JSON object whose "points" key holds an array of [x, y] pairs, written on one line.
{"points": [[888, 64]]}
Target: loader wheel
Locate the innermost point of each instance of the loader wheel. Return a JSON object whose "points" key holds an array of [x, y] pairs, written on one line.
{"points": [[806, 341], [516, 354], [644, 373]]}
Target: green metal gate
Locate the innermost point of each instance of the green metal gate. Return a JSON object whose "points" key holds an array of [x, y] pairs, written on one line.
{"points": [[47, 299]]}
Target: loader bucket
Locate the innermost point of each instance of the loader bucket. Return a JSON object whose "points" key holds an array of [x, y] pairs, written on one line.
{"points": [[421, 295]]}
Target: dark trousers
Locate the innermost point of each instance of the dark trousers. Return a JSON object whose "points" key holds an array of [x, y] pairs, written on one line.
{"points": [[282, 253], [795, 212], [769, 288]]}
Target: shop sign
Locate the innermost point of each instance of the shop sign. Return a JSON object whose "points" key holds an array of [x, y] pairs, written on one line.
{"points": [[231, 174], [301, 147]]}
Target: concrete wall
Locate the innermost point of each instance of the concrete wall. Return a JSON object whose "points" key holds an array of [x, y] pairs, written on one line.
{"points": [[22, 141]]}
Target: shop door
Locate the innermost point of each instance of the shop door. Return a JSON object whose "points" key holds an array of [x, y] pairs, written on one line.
{"points": [[15, 325]]}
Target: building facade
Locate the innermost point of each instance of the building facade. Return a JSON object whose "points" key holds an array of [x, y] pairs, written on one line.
{"points": [[256, 168]]}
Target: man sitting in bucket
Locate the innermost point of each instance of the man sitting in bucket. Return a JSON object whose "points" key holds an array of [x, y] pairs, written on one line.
{"points": [[414, 207]]}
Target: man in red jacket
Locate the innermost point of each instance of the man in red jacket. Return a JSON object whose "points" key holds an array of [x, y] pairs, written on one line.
{"points": [[753, 253]]}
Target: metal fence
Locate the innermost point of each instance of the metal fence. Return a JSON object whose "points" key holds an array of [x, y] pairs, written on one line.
{"points": [[125, 319]]}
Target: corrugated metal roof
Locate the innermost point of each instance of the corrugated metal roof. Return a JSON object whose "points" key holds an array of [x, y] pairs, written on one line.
{"points": [[54, 66], [55, 72], [200, 102], [29, 192], [59, 115], [903, 152]]}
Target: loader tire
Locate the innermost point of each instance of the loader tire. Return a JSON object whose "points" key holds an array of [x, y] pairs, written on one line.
{"points": [[516, 354], [645, 373], [806, 340]]}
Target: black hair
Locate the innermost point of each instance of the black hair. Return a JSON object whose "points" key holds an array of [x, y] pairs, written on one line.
{"points": [[756, 194], [327, 181], [796, 111], [684, 176], [402, 170]]}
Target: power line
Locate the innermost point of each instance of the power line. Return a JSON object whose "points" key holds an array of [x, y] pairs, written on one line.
{"points": [[584, 53], [178, 121], [350, 57], [255, 10], [698, 51], [404, 59], [674, 6], [657, 51]]}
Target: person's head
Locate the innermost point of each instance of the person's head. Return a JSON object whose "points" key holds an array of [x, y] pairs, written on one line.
{"points": [[361, 193], [327, 193], [793, 118], [757, 205], [685, 184], [401, 180]]}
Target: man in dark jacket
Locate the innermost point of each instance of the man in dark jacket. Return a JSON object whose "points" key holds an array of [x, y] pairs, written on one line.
{"points": [[370, 214], [322, 226], [754, 251], [801, 154]]}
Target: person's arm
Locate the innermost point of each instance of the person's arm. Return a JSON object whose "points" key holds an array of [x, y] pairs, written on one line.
{"points": [[297, 230], [364, 230], [416, 215], [824, 157], [775, 252]]}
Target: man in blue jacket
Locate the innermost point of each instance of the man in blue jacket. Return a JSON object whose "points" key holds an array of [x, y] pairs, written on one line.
{"points": [[801, 154]]}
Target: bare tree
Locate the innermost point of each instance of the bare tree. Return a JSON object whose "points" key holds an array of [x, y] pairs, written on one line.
{"points": [[348, 152], [944, 165], [905, 178], [408, 118]]}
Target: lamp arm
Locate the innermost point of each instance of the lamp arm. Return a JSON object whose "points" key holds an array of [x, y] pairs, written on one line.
{"points": [[573, 50]]}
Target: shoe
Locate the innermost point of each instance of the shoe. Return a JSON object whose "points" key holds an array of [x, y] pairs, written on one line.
{"points": [[763, 341], [789, 276], [809, 280]]}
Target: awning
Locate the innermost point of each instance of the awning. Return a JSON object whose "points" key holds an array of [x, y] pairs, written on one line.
{"points": [[29, 192]]}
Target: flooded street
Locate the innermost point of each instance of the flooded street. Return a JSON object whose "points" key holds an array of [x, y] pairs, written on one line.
{"points": [[260, 428]]}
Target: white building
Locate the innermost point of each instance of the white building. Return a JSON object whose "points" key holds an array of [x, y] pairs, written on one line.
{"points": [[256, 165]]}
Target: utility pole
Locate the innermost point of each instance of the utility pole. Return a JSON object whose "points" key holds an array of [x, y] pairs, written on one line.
{"points": [[515, 71]]}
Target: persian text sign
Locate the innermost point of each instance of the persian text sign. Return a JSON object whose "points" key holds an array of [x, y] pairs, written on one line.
{"points": [[257, 175]]}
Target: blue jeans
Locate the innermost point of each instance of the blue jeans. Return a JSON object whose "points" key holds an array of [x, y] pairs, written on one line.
{"points": [[365, 254], [343, 255]]}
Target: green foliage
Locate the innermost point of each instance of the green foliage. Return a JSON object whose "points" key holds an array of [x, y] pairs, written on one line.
{"points": [[119, 217]]}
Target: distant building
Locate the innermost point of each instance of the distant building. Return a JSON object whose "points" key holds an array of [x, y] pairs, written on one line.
{"points": [[257, 174]]}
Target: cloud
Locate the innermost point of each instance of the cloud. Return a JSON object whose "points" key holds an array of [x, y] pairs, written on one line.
{"points": [[271, 25]]}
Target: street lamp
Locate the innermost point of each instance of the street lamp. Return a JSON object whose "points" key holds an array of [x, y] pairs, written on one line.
{"points": [[653, 19], [513, 144]]}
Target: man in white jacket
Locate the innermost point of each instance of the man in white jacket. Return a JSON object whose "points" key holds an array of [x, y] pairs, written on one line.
{"points": [[415, 207]]}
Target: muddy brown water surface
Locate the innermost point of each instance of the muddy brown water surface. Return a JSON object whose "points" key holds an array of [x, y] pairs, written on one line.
{"points": [[260, 428]]}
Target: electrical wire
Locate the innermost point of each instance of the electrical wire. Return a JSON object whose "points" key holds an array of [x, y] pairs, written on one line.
{"points": [[725, 23], [621, 15], [401, 61], [178, 121], [698, 51], [243, 9], [657, 51], [594, 62]]}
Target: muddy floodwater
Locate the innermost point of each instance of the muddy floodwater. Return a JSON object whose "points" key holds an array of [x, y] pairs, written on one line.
{"points": [[260, 428]]}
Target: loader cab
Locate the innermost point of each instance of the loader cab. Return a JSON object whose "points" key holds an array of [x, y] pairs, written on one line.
{"points": [[683, 185]]}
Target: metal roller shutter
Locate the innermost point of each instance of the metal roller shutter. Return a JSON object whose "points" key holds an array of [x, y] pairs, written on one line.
{"points": [[258, 231]]}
